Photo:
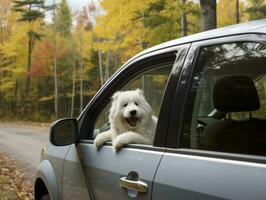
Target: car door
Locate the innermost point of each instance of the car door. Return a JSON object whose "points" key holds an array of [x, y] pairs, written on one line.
{"points": [[129, 172], [234, 165]]}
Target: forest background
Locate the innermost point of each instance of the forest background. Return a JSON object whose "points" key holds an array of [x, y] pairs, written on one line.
{"points": [[53, 60]]}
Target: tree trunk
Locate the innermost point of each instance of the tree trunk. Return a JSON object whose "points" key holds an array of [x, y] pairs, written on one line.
{"points": [[81, 73], [237, 12], [183, 19], [55, 67], [116, 58], [73, 83], [107, 66], [30, 46], [16, 95], [208, 14], [2, 31], [1, 94], [100, 66]]}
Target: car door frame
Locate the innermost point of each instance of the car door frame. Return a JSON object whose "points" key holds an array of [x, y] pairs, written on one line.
{"points": [[175, 126]]}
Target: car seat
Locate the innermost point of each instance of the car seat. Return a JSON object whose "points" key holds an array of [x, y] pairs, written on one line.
{"points": [[236, 93]]}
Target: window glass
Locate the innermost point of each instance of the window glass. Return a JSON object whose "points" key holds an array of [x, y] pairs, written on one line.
{"points": [[152, 83], [226, 106]]}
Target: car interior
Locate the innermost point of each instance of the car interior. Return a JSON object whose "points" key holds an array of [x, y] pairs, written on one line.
{"points": [[229, 113], [246, 136]]}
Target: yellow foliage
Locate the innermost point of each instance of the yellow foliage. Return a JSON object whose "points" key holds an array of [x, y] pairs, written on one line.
{"points": [[83, 42], [14, 50], [120, 27], [226, 12]]}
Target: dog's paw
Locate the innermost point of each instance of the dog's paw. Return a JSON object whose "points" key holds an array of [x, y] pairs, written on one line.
{"points": [[98, 142], [119, 142], [117, 145]]}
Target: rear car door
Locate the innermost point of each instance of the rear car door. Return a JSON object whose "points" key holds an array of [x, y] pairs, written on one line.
{"points": [[217, 133], [107, 172]]}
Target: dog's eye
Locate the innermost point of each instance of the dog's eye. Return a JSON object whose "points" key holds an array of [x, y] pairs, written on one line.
{"points": [[125, 105], [136, 104]]}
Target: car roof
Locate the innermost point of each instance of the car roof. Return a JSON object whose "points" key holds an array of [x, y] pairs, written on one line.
{"points": [[258, 26]]}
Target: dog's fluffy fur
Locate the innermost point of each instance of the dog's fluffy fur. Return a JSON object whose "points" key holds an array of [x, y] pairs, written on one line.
{"points": [[130, 119]]}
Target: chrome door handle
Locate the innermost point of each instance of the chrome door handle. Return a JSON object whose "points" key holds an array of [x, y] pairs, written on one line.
{"points": [[138, 186]]}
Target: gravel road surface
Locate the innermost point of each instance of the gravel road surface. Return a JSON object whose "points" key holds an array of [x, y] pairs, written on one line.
{"points": [[23, 143]]}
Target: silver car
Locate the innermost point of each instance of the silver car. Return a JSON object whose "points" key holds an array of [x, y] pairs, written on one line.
{"points": [[208, 91]]}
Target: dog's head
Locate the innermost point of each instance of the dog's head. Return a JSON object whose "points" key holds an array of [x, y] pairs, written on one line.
{"points": [[129, 109]]}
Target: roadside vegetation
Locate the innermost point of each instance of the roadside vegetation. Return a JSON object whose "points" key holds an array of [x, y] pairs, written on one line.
{"points": [[14, 184], [51, 66]]}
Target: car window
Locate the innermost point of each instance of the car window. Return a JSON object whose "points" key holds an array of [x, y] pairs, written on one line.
{"points": [[226, 104], [151, 83]]}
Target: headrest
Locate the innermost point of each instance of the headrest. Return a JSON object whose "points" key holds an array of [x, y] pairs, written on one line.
{"points": [[235, 93]]}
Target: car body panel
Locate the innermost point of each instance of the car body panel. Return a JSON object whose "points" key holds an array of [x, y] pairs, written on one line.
{"points": [[74, 185], [46, 173], [51, 169], [105, 167], [182, 176]]}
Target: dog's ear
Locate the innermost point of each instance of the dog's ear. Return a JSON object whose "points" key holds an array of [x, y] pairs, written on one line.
{"points": [[139, 91], [115, 95]]}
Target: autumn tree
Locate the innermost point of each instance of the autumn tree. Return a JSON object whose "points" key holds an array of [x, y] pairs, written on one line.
{"points": [[64, 19], [256, 9], [32, 11], [226, 13], [13, 61], [54, 50], [111, 31], [170, 19], [83, 38], [4, 11], [128, 28], [63, 23]]}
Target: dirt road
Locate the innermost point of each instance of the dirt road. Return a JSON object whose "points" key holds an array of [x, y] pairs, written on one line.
{"points": [[23, 143]]}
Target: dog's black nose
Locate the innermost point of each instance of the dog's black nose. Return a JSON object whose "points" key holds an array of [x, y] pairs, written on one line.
{"points": [[133, 112]]}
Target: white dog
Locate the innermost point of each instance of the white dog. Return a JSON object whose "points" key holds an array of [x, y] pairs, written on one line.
{"points": [[130, 119]]}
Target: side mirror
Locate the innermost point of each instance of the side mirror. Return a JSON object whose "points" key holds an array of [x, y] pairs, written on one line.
{"points": [[64, 132]]}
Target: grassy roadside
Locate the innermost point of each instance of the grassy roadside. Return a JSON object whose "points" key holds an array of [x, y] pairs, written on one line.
{"points": [[14, 184]]}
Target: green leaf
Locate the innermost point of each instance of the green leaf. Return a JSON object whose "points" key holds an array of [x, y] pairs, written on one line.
{"points": [[32, 15]]}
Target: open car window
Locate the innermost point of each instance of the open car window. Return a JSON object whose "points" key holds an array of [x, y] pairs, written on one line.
{"points": [[152, 83]]}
